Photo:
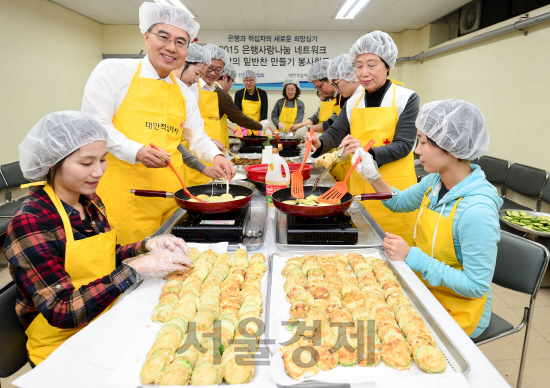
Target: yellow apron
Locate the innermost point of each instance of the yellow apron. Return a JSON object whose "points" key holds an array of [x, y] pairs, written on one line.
{"points": [[326, 110], [337, 108], [433, 228], [379, 124], [340, 169], [86, 260], [288, 115], [252, 109], [153, 111], [209, 108]]}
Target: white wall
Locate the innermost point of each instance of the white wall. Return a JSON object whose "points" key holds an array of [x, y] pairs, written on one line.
{"points": [[507, 77], [47, 54]]}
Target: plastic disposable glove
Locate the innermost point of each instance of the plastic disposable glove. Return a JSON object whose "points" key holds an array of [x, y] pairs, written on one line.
{"points": [[159, 263], [281, 126], [265, 125], [167, 241], [367, 168], [300, 133]]}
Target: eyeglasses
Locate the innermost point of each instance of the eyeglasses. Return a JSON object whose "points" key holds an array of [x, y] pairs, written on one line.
{"points": [[319, 87], [212, 69], [335, 84], [247, 81], [180, 45]]}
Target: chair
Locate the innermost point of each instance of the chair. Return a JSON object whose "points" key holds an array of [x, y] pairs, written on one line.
{"points": [[495, 170], [520, 266], [545, 196], [13, 177], [525, 180], [13, 339]]}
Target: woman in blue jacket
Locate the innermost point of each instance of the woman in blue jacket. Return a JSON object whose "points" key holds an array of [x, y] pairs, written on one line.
{"points": [[457, 229]]}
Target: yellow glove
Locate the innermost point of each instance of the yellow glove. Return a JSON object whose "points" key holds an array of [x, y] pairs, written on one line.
{"points": [[326, 159]]}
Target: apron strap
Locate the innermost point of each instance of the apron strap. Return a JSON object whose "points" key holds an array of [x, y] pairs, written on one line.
{"points": [[40, 183], [423, 204], [359, 99], [61, 210], [397, 82], [259, 98]]}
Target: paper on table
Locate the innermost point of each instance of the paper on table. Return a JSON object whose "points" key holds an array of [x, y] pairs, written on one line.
{"points": [[352, 375], [101, 354]]}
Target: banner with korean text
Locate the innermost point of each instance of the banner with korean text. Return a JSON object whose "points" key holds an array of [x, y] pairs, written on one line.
{"points": [[276, 55]]}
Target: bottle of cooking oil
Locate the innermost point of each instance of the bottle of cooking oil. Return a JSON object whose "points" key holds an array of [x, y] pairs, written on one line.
{"points": [[274, 179]]}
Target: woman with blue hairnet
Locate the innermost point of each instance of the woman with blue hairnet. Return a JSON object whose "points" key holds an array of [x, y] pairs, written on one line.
{"points": [[457, 229], [288, 110], [384, 112], [61, 249]]}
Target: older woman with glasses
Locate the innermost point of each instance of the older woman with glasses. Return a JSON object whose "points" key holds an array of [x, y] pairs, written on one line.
{"points": [[139, 102], [384, 112]]}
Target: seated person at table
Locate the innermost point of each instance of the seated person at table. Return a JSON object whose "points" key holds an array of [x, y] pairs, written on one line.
{"points": [[457, 229], [62, 251]]}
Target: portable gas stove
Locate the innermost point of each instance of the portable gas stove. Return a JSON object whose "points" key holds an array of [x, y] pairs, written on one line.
{"points": [[352, 229], [197, 227], [338, 229]]}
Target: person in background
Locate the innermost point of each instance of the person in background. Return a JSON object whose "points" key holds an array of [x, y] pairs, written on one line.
{"points": [[288, 110], [454, 248], [140, 102], [61, 249], [384, 112], [330, 106], [196, 62], [227, 79], [312, 121], [251, 100], [216, 105]]}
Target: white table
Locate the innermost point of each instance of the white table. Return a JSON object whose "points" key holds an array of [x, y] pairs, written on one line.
{"points": [[68, 367]]}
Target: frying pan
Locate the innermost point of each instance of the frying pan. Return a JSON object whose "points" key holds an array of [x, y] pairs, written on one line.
{"points": [[319, 211], [285, 142], [254, 140], [204, 207]]}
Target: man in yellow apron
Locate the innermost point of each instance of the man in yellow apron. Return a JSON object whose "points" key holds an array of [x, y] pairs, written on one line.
{"points": [[61, 249], [251, 100], [457, 229], [139, 103]]}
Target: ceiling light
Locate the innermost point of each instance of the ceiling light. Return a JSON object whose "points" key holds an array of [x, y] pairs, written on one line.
{"points": [[175, 3], [351, 8]]}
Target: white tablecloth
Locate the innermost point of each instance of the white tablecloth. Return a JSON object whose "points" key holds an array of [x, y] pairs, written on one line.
{"points": [[95, 355]]}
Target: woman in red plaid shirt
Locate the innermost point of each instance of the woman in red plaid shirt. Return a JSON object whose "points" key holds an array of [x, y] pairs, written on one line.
{"points": [[62, 251]]}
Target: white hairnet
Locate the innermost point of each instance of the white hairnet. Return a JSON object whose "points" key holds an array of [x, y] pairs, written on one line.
{"points": [[378, 43], [55, 137], [197, 54], [318, 70], [230, 71], [291, 80], [341, 68], [249, 74], [152, 13], [217, 53], [455, 126]]}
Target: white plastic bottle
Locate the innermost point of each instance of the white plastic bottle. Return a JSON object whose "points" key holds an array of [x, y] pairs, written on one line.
{"points": [[274, 179]]}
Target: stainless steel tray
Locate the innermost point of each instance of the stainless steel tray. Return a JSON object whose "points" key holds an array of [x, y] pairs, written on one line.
{"points": [[258, 215], [370, 233], [502, 213], [454, 356]]}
